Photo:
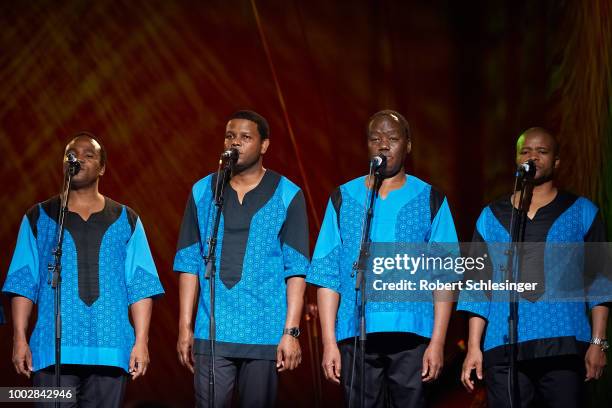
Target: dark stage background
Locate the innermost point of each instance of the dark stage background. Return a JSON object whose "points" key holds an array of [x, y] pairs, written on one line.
{"points": [[156, 79]]}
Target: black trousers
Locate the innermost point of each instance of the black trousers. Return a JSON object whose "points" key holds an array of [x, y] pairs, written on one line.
{"points": [[551, 381], [257, 381], [96, 386], [393, 364]]}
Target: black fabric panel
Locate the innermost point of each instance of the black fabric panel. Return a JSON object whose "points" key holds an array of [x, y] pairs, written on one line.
{"points": [[190, 231], [539, 348], [535, 230], [237, 223], [336, 199], [87, 236], [52, 207], [597, 230], [436, 198], [295, 229], [478, 248], [597, 259], [236, 350], [33, 214], [132, 217]]}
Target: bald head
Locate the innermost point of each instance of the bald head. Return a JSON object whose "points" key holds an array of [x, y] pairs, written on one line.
{"points": [[393, 116], [538, 131]]}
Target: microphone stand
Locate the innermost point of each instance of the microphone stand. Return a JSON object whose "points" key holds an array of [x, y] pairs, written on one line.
{"points": [[223, 176], [55, 270], [517, 230], [360, 283]]}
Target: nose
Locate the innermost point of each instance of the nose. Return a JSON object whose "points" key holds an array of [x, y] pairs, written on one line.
{"points": [[533, 156], [384, 144]]}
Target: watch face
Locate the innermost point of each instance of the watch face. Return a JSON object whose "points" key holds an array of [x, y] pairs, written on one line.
{"points": [[293, 331]]}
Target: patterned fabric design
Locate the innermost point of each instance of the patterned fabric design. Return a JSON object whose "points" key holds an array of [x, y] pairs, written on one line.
{"points": [[252, 311], [96, 334], [542, 319], [299, 263], [412, 226], [143, 285], [351, 222], [413, 219], [189, 259], [409, 223], [324, 271], [22, 283]]}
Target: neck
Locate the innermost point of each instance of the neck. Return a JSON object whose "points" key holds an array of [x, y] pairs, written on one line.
{"points": [[397, 178], [390, 183], [544, 190], [85, 195], [249, 175]]}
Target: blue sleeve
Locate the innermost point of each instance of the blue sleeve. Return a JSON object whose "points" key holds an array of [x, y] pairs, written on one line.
{"points": [[471, 301], [140, 271], [23, 275], [443, 226], [325, 265], [294, 237], [443, 232], [188, 256]]}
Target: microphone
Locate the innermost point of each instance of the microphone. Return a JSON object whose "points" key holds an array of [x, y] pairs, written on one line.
{"points": [[527, 169], [230, 154], [74, 166], [378, 162]]}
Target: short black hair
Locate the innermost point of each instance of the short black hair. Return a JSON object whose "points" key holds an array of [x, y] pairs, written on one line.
{"points": [[262, 123], [396, 116], [84, 133]]}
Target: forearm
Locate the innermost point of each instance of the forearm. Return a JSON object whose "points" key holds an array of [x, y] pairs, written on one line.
{"points": [[21, 310], [599, 321], [476, 329], [442, 312], [327, 301], [295, 301], [188, 292], [141, 316]]}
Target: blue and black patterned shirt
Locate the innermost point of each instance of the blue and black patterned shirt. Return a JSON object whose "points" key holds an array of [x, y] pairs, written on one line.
{"points": [[261, 243], [415, 213], [547, 325], [106, 266]]}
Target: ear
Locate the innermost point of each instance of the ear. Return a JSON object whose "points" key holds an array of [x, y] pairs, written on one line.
{"points": [[102, 170], [264, 146], [408, 147], [557, 163]]}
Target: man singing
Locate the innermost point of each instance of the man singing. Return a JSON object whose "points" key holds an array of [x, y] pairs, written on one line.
{"points": [[261, 257], [106, 270], [405, 340], [553, 351]]}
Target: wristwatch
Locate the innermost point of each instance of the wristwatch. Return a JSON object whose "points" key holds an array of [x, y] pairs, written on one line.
{"points": [[292, 331], [603, 343]]}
